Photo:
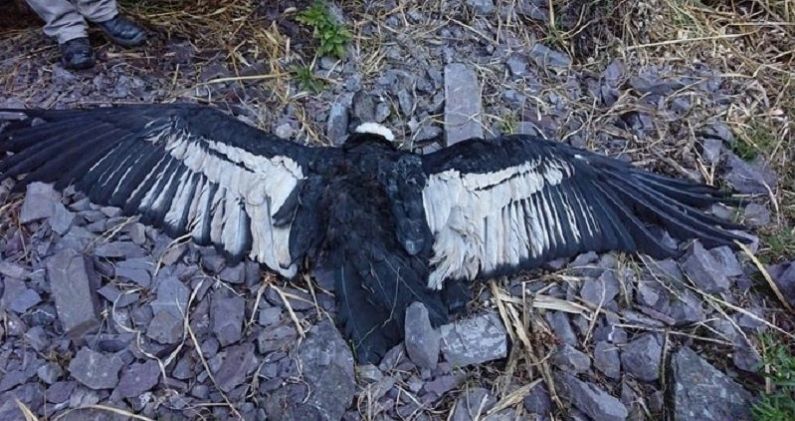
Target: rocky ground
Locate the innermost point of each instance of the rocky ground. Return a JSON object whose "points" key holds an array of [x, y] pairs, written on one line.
{"points": [[102, 317]]}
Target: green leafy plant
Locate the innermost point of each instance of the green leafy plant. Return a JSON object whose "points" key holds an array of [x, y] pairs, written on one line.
{"points": [[779, 368], [332, 36], [307, 80]]}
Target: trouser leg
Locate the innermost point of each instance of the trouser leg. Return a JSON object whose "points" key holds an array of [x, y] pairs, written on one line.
{"points": [[61, 19], [97, 10]]}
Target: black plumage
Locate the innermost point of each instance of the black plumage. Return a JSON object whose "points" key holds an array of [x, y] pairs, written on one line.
{"points": [[384, 226]]}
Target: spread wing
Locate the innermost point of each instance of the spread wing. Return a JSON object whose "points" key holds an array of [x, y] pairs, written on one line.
{"points": [[498, 206], [187, 169]]}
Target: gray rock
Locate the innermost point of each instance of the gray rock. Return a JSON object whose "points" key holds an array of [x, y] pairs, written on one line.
{"points": [[547, 58], [606, 359], [18, 298], [172, 297], [61, 219], [60, 391], [95, 370], [276, 338], [422, 341], [13, 270], [138, 378], [712, 149], [234, 274], [475, 340], [642, 357], [537, 400], [784, 277], [382, 112], [49, 373], [728, 260], [481, 7], [337, 123], [443, 384], [119, 249], [756, 215], [269, 316], [571, 359], [284, 131], [369, 373], [750, 178], [227, 313], [39, 203], [165, 328], [517, 64], [137, 270], [72, 286], [700, 391], [473, 405], [705, 270], [327, 365], [600, 291], [589, 398], [559, 323], [237, 364], [462, 107]]}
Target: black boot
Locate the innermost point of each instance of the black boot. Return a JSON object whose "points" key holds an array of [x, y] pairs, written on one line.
{"points": [[77, 54], [123, 31]]}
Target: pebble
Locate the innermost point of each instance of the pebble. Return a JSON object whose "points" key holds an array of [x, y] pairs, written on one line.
{"points": [[327, 365], [227, 313], [73, 288], [138, 378], [571, 359], [590, 398], [422, 341], [700, 391], [642, 357], [238, 362], [39, 203], [606, 359], [337, 123], [462, 109], [475, 340], [705, 270], [95, 370]]}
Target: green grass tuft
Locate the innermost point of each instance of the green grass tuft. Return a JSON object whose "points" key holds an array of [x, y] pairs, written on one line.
{"points": [[307, 80], [780, 370], [332, 36]]}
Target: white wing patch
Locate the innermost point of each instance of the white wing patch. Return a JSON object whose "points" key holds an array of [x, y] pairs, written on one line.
{"points": [[482, 221], [251, 189]]}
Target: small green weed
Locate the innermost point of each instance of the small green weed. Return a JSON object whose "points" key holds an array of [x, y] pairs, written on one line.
{"points": [[779, 405], [307, 80], [332, 36]]}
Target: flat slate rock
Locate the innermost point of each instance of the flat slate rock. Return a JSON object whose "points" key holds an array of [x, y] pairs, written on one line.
{"points": [[590, 398], [73, 287], [475, 340], [326, 363], [707, 272], [701, 391], [238, 362], [227, 313], [138, 378], [39, 203], [422, 340], [462, 105], [95, 370], [642, 357]]}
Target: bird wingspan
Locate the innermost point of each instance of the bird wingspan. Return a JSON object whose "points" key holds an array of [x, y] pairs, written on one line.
{"points": [[501, 205], [186, 168]]}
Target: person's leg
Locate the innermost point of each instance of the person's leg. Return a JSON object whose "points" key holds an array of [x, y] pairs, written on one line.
{"points": [[105, 14], [97, 10], [61, 19], [63, 22]]}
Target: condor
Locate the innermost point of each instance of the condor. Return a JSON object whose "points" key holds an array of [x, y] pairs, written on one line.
{"points": [[385, 226]]}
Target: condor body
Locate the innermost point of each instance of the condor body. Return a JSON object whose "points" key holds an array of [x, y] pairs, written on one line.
{"points": [[385, 226]]}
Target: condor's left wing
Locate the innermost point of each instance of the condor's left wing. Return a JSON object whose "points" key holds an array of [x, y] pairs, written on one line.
{"points": [[185, 168], [497, 206]]}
